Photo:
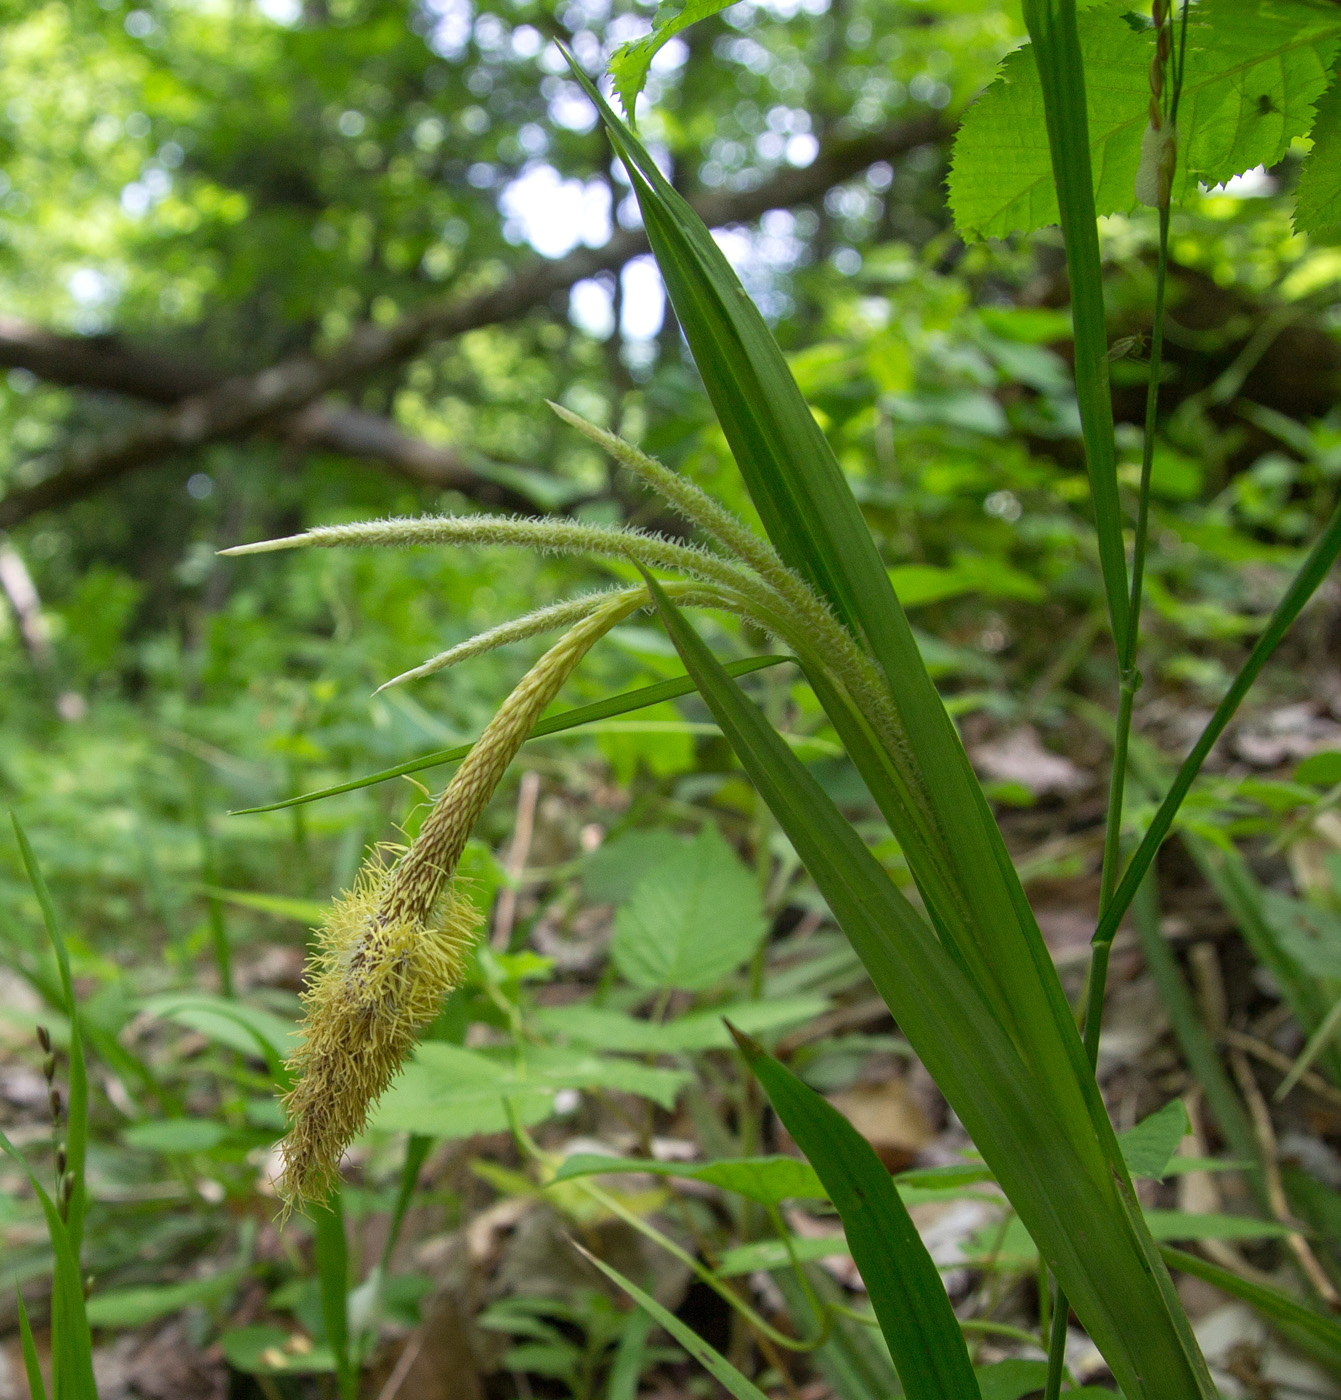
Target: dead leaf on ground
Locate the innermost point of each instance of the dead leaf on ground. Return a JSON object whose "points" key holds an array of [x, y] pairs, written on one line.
{"points": [[1019, 757], [890, 1117]]}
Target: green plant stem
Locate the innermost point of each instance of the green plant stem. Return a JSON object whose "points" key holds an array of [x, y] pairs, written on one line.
{"points": [[1130, 680], [1061, 1316], [1129, 683]]}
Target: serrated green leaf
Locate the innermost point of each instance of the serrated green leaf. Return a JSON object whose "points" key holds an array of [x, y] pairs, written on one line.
{"points": [[691, 920], [1255, 70], [1148, 1146], [450, 1092], [630, 62]]}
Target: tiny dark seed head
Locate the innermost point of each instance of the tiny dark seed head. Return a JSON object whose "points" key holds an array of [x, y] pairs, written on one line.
{"points": [[67, 1189], [61, 1160], [55, 1104], [49, 1068], [44, 1039]]}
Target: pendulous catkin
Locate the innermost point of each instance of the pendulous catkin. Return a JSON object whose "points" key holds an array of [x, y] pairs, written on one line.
{"points": [[392, 948]]}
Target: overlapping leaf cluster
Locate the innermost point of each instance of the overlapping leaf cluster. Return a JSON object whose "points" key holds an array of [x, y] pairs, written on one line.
{"points": [[1258, 75]]}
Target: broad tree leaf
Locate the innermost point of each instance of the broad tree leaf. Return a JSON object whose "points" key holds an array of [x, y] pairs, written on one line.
{"points": [[901, 1280], [630, 62], [1255, 70], [1149, 1146], [768, 1180], [691, 920], [447, 1091], [1318, 197]]}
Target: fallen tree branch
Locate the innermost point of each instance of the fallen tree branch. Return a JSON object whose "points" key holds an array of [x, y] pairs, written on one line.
{"points": [[242, 405]]}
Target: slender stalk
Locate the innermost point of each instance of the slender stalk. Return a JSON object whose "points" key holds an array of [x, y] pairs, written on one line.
{"points": [[1127, 641], [1130, 681]]}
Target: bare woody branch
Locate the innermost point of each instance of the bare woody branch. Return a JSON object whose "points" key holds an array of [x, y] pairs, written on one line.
{"points": [[108, 364], [242, 405]]}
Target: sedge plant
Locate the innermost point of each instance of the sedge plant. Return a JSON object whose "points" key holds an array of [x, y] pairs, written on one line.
{"points": [[967, 976]]}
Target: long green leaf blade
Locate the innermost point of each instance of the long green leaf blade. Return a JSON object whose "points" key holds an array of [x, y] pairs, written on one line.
{"points": [[623, 704], [814, 521], [71, 1342], [901, 1280], [37, 1389], [1061, 70], [1304, 584], [1065, 1190], [331, 1255], [712, 1360], [76, 1147], [1312, 1331]]}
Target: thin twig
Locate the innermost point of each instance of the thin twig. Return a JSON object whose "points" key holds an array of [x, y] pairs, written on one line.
{"points": [[1269, 1055], [505, 914], [1280, 1206], [404, 1362]]}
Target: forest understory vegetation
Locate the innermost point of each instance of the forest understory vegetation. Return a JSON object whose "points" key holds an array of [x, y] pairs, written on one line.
{"points": [[743, 588]]}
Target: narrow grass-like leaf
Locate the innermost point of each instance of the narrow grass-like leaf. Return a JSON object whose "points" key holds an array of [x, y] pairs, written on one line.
{"points": [[1311, 1330], [1061, 71], [946, 829], [630, 1357], [37, 1389], [71, 1343], [1302, 587], [331, 1253], [901, 1280], [76, 1128], [712, 1360], [623, 704], [1063, 1186]]}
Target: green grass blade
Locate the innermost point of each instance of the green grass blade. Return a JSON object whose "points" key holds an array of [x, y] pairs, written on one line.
{"points": [[556, 724], [712, 1360], [1302, 587], [71, 1342], [901, 1280], [1064, 1188], [1193, 1038], [1312, 1331], [1061, 71], [37, 1389], [331, 1255], [76, 1142], [630, 1358], [814, 521]]}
